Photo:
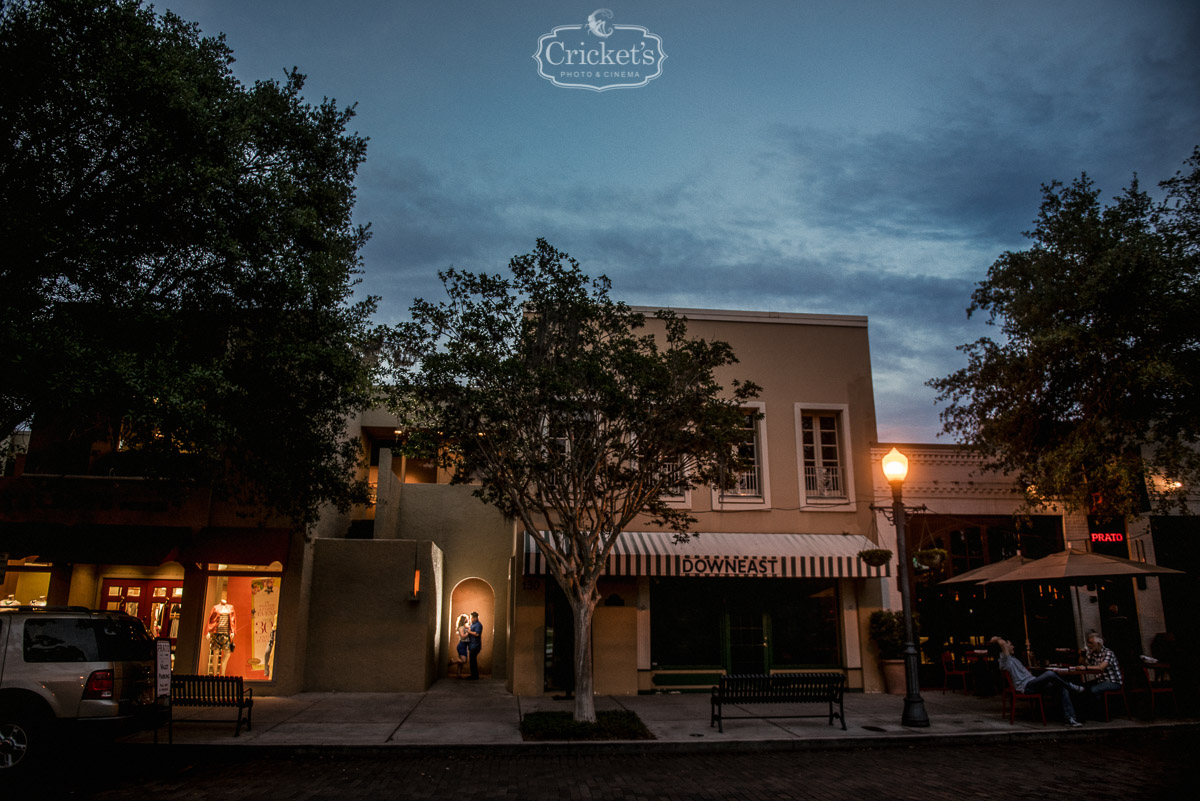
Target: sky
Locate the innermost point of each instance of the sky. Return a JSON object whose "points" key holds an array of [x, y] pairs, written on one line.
{"points": [[863, 157]]}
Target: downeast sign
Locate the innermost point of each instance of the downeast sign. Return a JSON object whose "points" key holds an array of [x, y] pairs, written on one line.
{"points": [[599, 55]]}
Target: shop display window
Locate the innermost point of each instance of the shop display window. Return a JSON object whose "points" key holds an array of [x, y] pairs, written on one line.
{"points": [[743, 625], [26, 581], [239, 626]]}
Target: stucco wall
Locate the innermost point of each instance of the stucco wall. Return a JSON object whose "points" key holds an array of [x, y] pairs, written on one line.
{"points": [[476, 542], [365, 634]]}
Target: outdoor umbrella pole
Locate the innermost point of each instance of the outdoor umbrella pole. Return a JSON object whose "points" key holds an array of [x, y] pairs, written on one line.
{"points": [[1025, 620]]}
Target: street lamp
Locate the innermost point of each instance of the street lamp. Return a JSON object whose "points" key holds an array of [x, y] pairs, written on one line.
{"points": [[895, 469]]}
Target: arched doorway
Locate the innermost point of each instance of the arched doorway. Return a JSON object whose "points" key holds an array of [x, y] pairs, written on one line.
{"points": [[475, 595]]}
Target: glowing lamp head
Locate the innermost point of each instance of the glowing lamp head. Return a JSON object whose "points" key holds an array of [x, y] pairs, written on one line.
{"points": [[895, 466]]}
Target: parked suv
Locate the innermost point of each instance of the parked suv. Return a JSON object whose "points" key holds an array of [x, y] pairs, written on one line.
{"points": [[69, 667]]}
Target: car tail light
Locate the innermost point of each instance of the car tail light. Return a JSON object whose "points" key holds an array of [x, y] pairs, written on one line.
{"points": [[99, 686]]}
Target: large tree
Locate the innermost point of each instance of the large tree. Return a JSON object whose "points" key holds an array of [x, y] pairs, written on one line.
{"points": [[570, 417], [1092, 394], [178, 256]]}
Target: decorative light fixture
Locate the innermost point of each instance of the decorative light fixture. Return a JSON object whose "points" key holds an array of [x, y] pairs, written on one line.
{"points": [[895, 466], [895, 469]]}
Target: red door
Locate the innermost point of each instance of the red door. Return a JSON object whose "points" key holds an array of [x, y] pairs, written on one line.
{"points": [[156, 602]]}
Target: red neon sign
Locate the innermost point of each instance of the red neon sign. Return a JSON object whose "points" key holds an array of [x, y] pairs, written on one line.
{"points": [[1107, 536]]}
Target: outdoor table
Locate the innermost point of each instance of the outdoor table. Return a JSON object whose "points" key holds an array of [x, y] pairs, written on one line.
{"points": [[1161, 670], [982, 668], [1068, 671]]}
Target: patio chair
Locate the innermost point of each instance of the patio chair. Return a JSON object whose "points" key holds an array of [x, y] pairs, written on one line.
{"points": [[1158, 686], [1112, 694], [949, 670], [1009, 697]]}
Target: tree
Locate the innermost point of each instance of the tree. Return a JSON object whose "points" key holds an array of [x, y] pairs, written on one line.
{"points": [[179, 256], [1091, 397], [571, 419]]}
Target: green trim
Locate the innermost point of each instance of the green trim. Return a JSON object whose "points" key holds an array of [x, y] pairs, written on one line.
{"points": [[685, 679], [814, 666]]}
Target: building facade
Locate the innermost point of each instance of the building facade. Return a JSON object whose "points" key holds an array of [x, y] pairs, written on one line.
{"points": [[975, 516], [367, 600]]}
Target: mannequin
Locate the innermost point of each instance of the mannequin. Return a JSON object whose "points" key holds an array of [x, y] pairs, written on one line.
{"points": [[222, 623]]}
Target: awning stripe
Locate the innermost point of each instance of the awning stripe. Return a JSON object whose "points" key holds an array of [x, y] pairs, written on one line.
{"points": [[652, 553]]}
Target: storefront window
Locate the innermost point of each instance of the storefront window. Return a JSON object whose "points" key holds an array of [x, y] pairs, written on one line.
{"points": [[804, 626], [686, 620], [743, 625], [26, 581], [243, 612]]}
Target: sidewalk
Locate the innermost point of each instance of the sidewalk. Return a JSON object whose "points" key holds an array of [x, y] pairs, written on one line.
{"points": [[475, 715]]}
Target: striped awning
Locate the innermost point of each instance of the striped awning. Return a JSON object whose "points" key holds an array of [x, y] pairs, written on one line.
{"points": [[654, 553]]}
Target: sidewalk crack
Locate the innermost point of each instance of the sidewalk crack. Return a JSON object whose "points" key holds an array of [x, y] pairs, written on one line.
{"points": [[407, 715]]}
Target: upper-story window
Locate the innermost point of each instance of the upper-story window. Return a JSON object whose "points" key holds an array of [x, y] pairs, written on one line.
{"points": [[749, 481], [823, 471], [824, 456], [752, 484], [676, 490]]}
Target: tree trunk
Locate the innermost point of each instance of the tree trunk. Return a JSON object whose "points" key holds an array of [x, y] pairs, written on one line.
{"points": [[585, 700]]}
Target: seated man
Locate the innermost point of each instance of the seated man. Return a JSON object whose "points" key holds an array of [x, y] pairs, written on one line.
{"points": [[1097, 656], [1026, 682]]}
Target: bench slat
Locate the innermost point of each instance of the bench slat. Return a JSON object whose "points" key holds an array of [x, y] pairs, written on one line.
{"points": [[214, 691]]}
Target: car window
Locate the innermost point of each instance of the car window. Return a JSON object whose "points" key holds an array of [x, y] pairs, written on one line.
{"points": [[60, 639], [124, 640]]}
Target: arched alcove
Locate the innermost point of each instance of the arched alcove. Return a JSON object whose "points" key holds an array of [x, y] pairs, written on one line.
{"points": [[474, 595]]}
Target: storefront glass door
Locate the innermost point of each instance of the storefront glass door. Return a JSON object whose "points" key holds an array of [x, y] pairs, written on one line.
{"points": [[747, 641]]}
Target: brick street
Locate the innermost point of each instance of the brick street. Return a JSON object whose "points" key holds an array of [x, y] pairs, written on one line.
{"points": [[1129, 766]]}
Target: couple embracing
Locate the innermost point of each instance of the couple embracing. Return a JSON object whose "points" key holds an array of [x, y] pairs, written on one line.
{"points": [[470, 641]]}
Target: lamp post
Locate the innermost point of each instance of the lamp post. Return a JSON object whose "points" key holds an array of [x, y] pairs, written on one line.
{"points": [[895, 469]]}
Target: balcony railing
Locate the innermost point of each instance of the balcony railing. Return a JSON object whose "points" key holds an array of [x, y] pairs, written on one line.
{"points": [[823, 482], [749, 485]]}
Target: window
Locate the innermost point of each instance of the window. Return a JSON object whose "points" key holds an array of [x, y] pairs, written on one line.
{"points": [[241, 614], [752, 485], [823, 444], [676, 492], [822, 459]]}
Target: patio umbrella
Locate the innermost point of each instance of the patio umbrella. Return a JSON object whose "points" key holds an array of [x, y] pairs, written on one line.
{"points": [[1077, 567], [981, 575], [993, 570]]}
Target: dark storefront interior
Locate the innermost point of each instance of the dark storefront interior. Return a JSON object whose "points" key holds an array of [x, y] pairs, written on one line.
{"points": [[958, 616], [743, 625]]}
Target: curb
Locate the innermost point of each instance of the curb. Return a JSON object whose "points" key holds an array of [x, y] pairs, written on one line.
{"points": [[908, 739]]}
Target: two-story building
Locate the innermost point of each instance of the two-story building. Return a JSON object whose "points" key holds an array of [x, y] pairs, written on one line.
{"points": [[366, 601]]}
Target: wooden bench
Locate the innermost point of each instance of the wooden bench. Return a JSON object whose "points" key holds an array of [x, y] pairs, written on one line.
{"points": [[213, 691], [780, 688]]}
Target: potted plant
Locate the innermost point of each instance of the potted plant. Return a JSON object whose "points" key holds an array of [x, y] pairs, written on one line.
{"points": [[875, 557], [931, 557], [886, 628]]}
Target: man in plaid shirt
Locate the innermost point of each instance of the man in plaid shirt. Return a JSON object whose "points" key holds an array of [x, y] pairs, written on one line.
{"points": [[1098, 656]]}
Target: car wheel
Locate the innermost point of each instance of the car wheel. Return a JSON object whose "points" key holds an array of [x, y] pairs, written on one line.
{"points": [[18, 733]]}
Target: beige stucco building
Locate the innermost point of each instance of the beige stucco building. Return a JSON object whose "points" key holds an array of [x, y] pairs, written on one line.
{"points": [[367, 601]]}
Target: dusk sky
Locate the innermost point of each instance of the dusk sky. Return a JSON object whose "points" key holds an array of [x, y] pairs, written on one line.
{"points": [[868, 157]]}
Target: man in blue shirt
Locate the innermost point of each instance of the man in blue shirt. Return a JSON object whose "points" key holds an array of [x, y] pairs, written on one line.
{"points": [[474, 645], [1025, 682]]}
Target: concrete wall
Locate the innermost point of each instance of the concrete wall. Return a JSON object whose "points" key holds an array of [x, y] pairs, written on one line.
{"points": [[477, 542], [365, 634]]}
